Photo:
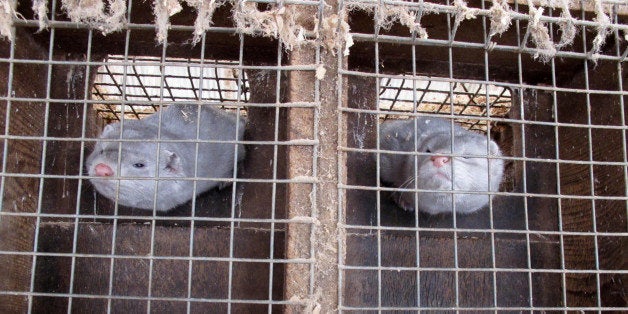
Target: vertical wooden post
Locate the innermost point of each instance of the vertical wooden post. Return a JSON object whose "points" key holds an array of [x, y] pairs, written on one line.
{"points": [[316, 283]]}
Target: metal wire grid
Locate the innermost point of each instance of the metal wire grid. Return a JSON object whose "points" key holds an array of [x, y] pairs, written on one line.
{"points": [[401, 95], [180, 83], [160, 93], [554, 89], [233, 219], [517, 16], [143, 76], [414, 104]]}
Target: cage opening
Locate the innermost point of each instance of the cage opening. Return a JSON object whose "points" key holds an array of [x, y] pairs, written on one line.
{"points": [[470, 101], [137, 84]]}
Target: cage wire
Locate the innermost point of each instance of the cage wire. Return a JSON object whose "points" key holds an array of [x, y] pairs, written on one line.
{"points": [[308, 226], [469, 99], [548, 178], [143, 85], [180, 84]]}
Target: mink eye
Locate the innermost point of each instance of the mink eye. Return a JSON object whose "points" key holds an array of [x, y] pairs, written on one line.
{"points": [[139, 165], [428, 150]]}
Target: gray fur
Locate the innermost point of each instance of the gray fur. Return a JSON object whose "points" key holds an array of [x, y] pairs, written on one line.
{"points": [[434, 135], [176, 159]]}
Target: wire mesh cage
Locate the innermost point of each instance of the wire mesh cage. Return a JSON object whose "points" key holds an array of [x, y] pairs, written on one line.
{"points": [[144, 83], [313, 156]]}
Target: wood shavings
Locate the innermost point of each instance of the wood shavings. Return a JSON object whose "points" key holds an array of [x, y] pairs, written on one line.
{"points": [[7, 13], [95, 14]]}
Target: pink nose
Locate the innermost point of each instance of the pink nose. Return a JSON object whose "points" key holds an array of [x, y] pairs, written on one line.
{"points": [[103, 170], [439, 161]]}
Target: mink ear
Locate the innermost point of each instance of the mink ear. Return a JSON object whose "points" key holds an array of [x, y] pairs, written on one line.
{"points": [[494, 149], [173, 162], [108, 129]]}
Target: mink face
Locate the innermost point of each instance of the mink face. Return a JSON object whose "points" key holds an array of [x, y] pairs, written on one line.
{"points": [[135, 173], [165, 159], [445, 180]]}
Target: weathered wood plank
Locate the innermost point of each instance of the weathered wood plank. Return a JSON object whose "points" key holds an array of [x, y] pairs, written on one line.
{"points": [[578, 215], [438, 287], [23, 156], [131, 267], [262, 124]]}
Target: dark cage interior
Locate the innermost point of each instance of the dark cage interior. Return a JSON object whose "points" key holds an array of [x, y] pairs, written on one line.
{"points": [[305, 223]]}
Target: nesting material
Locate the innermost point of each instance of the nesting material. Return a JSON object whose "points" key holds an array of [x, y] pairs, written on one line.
{"points": [[204, 14], [40, 9], [163, 10], [7, 12], [107, 18], [335, 33], [278, 22], [603, 30], [500, 17], [463, 12], [567, 26], [284, 22], [320, 72], [387, 15], [539, 34]]}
